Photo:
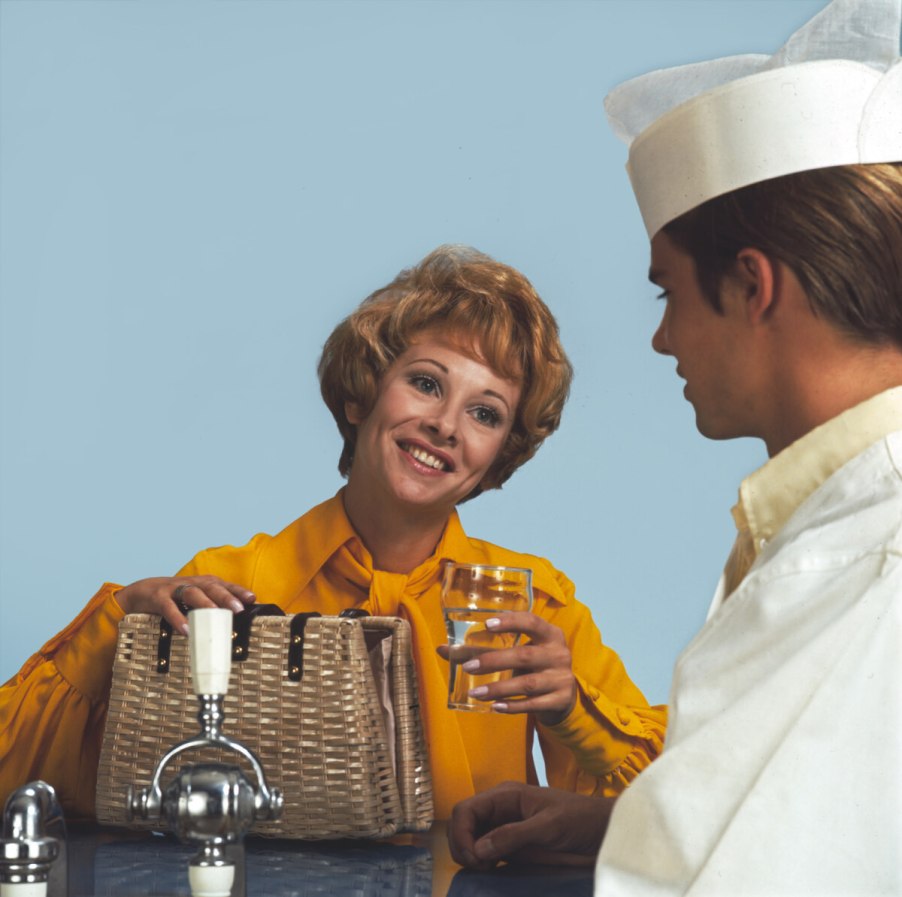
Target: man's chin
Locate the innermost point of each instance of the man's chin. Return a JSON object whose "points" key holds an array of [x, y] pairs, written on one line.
{"points": [[718, 430]]}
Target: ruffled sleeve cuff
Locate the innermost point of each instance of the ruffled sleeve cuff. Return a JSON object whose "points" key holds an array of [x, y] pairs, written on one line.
{"points": [[609, 740]]}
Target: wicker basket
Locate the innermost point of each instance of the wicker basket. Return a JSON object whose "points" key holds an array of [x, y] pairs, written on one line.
{"points": [[321, 738]]}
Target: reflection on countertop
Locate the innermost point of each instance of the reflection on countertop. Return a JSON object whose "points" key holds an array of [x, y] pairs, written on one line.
{"points": [[104, 862], [524, 881]]}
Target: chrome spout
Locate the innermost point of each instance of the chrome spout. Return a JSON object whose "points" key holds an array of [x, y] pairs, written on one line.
{"points": [[27, 852], [147, 803], [210, 805]]}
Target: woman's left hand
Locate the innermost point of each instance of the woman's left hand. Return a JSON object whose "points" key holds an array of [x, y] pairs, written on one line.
{"points": [[543, 682]]}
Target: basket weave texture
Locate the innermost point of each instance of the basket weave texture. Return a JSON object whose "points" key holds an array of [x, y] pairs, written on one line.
{"points": [[321, 740]]}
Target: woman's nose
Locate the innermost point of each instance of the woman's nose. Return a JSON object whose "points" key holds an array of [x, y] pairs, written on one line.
{"points": [[442, 425]]}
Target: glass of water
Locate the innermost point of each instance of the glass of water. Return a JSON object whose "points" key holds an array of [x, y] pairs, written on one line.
{"points": [[472, 594]]}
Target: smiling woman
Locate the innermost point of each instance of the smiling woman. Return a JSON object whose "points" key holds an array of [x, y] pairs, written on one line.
{"points": [[439, 422], [442, 384]]}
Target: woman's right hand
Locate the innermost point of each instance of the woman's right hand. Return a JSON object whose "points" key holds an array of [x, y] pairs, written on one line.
{"points": [[160, 594]]}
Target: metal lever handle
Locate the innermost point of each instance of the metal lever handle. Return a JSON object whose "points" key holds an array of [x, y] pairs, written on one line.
{"points": [[210, 641]]}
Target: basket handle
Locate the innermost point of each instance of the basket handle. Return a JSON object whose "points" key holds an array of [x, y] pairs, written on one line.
{"points": [[241, 635], [241, 632]]}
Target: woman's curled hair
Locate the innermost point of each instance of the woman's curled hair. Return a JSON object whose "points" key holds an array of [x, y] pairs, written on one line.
{"points": [[495, 314]]}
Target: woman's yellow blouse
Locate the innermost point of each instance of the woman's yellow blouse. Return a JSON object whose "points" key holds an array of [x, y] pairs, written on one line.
{"points": [[52, 713]]}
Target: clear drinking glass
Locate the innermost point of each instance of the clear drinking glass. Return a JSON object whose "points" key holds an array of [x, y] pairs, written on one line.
{"points": [[472, 594]]}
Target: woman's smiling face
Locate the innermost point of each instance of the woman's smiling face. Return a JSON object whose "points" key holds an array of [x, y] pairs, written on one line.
{"points": [[440, 418]]}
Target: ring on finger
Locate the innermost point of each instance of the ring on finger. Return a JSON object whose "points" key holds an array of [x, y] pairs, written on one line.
{"points": [[179, 590]]}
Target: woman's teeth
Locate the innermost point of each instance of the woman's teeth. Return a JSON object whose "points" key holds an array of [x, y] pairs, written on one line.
{"points": [[425, 458]]}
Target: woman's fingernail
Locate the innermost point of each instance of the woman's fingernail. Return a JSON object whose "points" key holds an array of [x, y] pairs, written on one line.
{"points": [[499, 707], [236, 605], [492, 623], [470, 666], [479, 691], [184, 628]]}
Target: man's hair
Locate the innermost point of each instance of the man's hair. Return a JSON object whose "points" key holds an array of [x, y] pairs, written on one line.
{"points": [[494, 313], [838, 229]]}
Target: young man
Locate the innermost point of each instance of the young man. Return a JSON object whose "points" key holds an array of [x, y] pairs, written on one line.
{"points": [[771, 188]]}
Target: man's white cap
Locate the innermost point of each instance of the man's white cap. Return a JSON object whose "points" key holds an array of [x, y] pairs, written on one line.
{"points": [[831, 96]]}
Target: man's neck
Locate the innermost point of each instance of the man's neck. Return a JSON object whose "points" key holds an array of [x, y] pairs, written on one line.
{"points": [[822, 384]]}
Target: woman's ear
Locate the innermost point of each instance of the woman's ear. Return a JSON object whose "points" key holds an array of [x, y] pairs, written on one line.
{"points": [[755, 275], [353, 413]]}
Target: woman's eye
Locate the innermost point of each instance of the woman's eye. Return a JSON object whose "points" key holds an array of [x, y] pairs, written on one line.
{"points": [[664, 294], [424, 384], [488, 416]]}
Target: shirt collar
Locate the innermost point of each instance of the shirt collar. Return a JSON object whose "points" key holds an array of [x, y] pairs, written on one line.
{"points": [[329, 529], [326, 529], [771, 495]]}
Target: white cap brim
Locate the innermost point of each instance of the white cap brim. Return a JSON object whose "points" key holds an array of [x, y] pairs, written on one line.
{"points": [[778, 122]]}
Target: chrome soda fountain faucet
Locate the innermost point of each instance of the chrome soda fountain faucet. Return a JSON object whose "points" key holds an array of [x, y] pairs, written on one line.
{"points": [[208, 804], [26, 851]]}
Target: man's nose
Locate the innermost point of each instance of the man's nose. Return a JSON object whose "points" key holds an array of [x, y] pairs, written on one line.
{"points": [[659, 340]]}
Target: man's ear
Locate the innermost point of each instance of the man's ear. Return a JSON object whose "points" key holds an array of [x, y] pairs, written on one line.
{"points": [[353, 413], [756, 277]]}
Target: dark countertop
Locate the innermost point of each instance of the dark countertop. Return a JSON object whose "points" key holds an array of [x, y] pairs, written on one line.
{"points": [[102, 862]]}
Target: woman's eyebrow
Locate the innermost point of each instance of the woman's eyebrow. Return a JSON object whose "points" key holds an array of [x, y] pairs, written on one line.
{"points": [[438, 364], [496, 395]]}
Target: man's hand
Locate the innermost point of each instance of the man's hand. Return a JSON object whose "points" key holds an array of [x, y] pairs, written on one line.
{"points": [[514, 822]]}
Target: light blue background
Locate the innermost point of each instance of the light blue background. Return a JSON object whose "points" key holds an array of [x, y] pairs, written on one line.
{"points": [[193, 193]]}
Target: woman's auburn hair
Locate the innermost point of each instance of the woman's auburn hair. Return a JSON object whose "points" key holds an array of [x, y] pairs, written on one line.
{"points": [[495, 314], [838, 229]]}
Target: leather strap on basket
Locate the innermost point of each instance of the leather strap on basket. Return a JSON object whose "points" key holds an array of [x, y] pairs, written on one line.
{"points": [[296, 639], [353, 613], [241, 635], [241, 627], [241, 632], [164, 642], [296, 645]]}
